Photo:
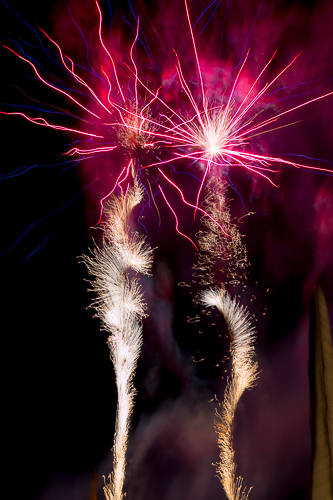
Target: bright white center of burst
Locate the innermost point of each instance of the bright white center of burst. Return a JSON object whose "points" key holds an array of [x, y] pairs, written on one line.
{"points": [[213, 149]]}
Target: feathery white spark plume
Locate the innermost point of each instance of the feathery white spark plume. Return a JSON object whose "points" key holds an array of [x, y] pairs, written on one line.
{"points": [[120, 306], [244, 373]]}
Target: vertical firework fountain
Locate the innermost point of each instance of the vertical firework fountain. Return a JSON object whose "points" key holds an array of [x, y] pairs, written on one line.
{"points": [[119, 304]]}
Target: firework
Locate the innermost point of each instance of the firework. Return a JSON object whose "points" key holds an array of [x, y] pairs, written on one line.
{"points": [[244, 374], [120, 306]]}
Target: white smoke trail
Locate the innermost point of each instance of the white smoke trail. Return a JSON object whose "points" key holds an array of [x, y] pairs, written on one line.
{"points": [[244, 373], [120, 306]]}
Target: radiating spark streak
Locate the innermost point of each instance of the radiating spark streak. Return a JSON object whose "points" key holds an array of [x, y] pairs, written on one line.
{"points": [[115, 106], [109, 82], [127, 173], [187, 91], [253, 85], [158, 98], [178, 157], [260, 158], [49, 84], [48, 104], [174, 213], [250, 91], [202, 183], [238, 161], [75, 76], [259, 173], [74, 151], [196, 57], [285, 112], [44, 123], [253, 170], [23, 170], [34, 108], [153, 198], [120, 306], [107, 52], [111, 192], [277, 128], [262, 91], [190, 204], [226, 109], [148, 120], [244, 374], [135, 66], [309, 158], [144, 108], [182, 124]]}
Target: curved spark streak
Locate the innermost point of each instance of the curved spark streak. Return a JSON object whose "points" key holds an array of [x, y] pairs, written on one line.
{"points": [[75, 76], [117, 183], [197, 58], [106, 50], [174, 213], [202, 182], [46, 124], [135, 66], [190, 204], [74, 151], [49, 84]]}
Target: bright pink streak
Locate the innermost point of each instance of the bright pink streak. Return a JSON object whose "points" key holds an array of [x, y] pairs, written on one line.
{"points": [[174, 213], [202, 183], [135, 66], [74, 151], [114, 187], [127, 173], [77, 78], [49, 84], [193, 206], [274, 118], [197, 58], [46, 124], [106, 50]]}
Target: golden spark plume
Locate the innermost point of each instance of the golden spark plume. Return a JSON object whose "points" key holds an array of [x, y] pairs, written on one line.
{"points": [[215, 246], [120, 306], [244, 373]]}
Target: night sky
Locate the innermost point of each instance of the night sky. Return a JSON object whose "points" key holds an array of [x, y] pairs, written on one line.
{"points": [[59, 396]]}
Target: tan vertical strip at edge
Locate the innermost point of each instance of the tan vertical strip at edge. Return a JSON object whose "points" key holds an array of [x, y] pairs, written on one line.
{"points": [[322, 478], [94, 485]]}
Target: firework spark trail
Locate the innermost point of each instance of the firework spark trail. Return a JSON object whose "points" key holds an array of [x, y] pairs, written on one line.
{"points": [[219, 251], [120, 306], [244, 374]]}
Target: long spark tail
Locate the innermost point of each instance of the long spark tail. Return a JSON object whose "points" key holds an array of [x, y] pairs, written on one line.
{"points": [[120, 306], [244, 373]]}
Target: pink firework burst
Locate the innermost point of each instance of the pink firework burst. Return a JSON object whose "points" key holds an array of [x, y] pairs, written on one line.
{"points": [[150, 128]]}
